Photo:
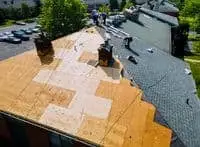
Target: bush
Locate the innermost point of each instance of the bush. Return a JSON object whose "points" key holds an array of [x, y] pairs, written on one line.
{"points": [[196, 46], [129, 4], [122, 5], [114, 4], [61, 17], [104, 8], [2, 16]]}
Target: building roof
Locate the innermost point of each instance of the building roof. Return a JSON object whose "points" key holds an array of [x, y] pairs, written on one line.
{"points": [[149, 30], [162, 6], [173, 21], [68, 92], [165, 84]]}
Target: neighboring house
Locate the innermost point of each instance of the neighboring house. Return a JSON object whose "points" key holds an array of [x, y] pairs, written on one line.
{"points": [[162, 6], [154, 28], [16, 3]]}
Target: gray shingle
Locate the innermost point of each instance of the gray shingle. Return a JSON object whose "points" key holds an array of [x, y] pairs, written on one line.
{"points": [[165, 84]]}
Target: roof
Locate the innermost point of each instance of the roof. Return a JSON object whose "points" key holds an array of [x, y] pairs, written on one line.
{"points": [[148, 29], [165, 84], [161, 6], [173, 21], [68, 92]]}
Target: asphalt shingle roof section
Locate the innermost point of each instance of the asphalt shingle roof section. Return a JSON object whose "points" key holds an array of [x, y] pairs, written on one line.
{"points": [[165, 84], [162, 6], [152, 31], [173, 21]]}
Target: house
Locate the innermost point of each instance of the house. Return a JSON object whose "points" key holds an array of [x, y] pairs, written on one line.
{"points": [[162, 6], [162, 77], [153, 27], [16, 3], [69, 102]]}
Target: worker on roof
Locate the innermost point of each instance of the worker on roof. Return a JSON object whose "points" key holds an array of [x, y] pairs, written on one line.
{"points": [[95, 17], [104, 16]]}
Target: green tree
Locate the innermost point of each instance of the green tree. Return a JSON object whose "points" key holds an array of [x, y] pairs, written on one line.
{"points": [[114, 4], [61, 17], [2, 16], [104, 8], [37, 9], [198, 24], [25, 10], [129, 4], [191, 8], [122, 5], [15, 13]]}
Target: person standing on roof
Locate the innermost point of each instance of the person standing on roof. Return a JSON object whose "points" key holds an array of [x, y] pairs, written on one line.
{"points": [[95, 17], [104, 16]]}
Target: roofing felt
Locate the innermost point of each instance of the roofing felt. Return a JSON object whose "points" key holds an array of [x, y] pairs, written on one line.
{"points": [[165, 84], [173, 21]]}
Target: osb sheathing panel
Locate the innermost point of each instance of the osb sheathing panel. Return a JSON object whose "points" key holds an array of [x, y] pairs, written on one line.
{"points": [[130, 121], [63, 43], [132, 114], [86, 56]]}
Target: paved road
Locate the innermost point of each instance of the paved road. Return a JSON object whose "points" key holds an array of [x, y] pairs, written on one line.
{"points": [[16, 27], [8, 50]]}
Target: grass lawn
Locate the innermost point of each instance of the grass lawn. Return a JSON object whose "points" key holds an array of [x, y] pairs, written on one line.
{"points": [[7, 23], [195, 67]]}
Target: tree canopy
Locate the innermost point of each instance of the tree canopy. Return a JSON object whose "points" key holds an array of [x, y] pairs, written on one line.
{"points": [[191, 8], [61, 17], [25, 10], [104, 8], [114, 4], [123, 3]]}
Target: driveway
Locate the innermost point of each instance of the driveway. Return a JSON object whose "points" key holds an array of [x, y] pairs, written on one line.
{"points": [[8, 50]]}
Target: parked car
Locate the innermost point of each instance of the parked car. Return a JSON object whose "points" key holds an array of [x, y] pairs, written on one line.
{"points": [[3, 37], [29, 20], [132, 59], [35, 30], [27, 31], [13, 40], [20, 23], [21, 35], [8, 34], [38, 26]]}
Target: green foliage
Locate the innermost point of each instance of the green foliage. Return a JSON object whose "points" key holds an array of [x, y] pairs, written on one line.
{"points": [[61, 17], [195, 67], [14, 13], [191, 8], [104, 8], [25, 11], [196, 46], [129, 4], [2, 16], [122, 5], [195, 37], [197, 28], [114, 4]]}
